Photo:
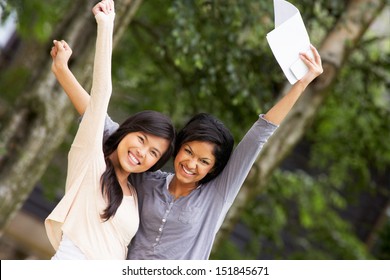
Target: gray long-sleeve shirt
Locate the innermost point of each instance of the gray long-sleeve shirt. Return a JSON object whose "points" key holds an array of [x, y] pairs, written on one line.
{"points": [[185, 228]]}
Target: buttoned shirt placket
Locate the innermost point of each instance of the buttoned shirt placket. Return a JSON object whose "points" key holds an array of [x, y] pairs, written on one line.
{"points": [[163, 221]]}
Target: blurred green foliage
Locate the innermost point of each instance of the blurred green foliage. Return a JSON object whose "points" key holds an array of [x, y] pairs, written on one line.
{"points": [[36, 19], [188, 56], [209, 56]]}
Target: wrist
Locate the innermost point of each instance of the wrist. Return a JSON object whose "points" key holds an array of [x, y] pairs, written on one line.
{"points": [[59, 69], [301, 85], [103, 19]]}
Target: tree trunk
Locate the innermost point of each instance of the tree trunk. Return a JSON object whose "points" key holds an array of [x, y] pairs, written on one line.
{"points": [[337, 46], [43, 113]]}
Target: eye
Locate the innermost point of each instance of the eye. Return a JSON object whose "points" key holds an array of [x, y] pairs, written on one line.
{"points": [[141, 139], [188, 151], [205, 162], [154, 154]]}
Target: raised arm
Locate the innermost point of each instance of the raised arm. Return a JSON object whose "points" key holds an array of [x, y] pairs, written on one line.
{"points": [[279, 111], [60, 54]]}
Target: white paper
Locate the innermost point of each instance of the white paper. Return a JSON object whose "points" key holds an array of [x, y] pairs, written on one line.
{"points": [[288, 39]]}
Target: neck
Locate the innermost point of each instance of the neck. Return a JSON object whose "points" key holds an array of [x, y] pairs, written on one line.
{"points": [[178, 189]]}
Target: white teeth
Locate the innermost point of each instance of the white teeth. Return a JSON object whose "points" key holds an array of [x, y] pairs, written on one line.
{"points": [[132, 158], [187, 171]]}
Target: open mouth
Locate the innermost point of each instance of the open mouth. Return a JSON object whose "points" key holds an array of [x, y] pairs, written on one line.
{"points": [[133, 159], [187, 171]]}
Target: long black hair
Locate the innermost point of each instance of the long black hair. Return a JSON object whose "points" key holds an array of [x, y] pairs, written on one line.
{"points": [[150, 122], [207, 128]]}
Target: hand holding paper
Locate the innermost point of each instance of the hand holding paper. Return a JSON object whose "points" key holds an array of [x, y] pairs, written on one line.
{"points": [[288, 39]]}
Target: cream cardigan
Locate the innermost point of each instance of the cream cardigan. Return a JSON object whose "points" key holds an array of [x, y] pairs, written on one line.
{"points": [[78, 212]]}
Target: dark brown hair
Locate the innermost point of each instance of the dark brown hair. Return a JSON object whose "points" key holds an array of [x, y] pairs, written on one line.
{"points": [[150, 122], [207, 128]]}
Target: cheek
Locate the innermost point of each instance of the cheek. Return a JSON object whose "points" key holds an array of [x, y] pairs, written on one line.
{"points": [[120, 146], [203, 170], [178, 157], [208, 169], [151, 160], [125, 142], [176, 161]]}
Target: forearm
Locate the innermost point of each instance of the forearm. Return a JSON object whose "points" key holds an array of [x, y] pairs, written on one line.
{"points": [[76, 93], [280, 110]]}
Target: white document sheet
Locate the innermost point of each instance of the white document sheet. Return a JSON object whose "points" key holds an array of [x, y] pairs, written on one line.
{"points": [[288, 39]]}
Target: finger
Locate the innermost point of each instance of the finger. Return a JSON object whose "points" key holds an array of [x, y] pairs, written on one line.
{"points": [[307, 59], [53, 52], [105, 9], [111, 5], [317, 57], [59, 45], [53, 48], [313, 49], [64, 45], [67, 47], [99, 7], [55, 44], [104, 6]]}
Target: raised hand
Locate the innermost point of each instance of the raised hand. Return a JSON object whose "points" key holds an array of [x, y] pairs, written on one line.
{"points": [[60, 53], [313, 63], [105, 6]]}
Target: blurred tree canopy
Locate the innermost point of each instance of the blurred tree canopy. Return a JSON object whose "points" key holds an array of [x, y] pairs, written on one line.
{"points": [[187, 56]]}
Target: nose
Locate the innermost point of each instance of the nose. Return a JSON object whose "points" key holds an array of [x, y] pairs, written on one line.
{"points": [[141, 152], [191, 163]]}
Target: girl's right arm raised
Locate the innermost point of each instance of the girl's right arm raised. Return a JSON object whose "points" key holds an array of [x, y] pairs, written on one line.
{"points": [[60, 53], [79, 97]]}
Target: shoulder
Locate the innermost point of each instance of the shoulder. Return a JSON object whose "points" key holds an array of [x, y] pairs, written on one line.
{"points": [[148, 177], [156, 175]]}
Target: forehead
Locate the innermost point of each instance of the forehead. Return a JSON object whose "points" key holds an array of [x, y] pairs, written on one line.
{"points": [[156, 140]]}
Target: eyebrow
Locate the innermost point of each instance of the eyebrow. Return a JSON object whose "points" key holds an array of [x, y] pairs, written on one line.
{"points": [[153, 148], [203, 158]]}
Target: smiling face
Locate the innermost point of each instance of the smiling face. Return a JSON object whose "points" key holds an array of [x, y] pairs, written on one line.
{"points": [[139, 151], [194, 161]]}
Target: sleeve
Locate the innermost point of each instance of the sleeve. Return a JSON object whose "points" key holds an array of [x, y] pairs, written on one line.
{"points": [[88, 139], [229, 182], [109, 127], [92, 124]]}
